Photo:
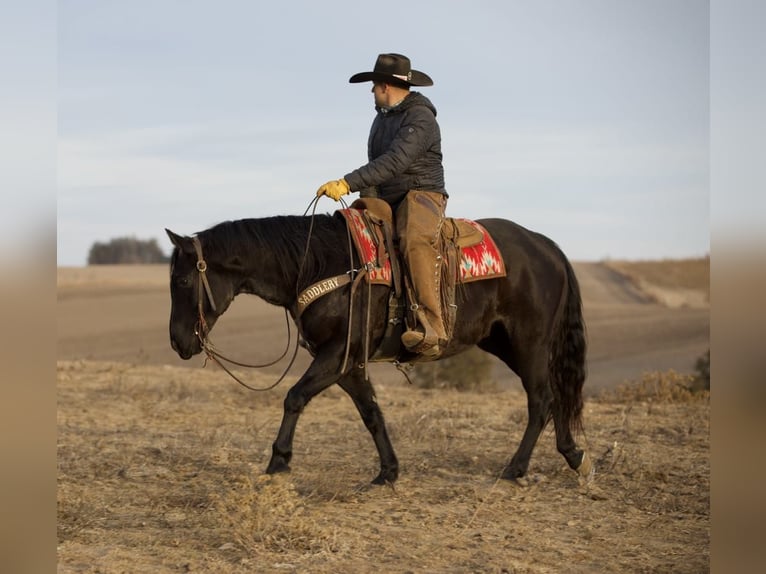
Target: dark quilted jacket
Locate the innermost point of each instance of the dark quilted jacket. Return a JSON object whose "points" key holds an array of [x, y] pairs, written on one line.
{"points": [[404, 149]]}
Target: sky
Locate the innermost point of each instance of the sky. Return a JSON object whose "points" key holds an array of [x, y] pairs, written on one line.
{"points": [[588, 120]]}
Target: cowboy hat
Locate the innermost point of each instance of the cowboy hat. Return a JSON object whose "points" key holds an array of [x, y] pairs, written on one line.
{"points": [[393, 68]]}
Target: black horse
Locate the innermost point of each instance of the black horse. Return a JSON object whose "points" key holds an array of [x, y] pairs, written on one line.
{"points": [[531, 319]]}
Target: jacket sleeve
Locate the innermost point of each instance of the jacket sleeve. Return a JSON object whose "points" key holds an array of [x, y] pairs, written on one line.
{"points": [[411, 141]]}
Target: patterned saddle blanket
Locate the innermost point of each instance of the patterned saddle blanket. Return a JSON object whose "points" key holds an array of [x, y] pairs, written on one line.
{"points": [[468, 254], [477, 254]]}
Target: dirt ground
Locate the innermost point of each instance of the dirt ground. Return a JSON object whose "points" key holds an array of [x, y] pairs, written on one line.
{"points": [[160, 462]]}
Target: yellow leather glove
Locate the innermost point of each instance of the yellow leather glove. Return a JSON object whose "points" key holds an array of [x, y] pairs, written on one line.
{"points": [[334, 189]]}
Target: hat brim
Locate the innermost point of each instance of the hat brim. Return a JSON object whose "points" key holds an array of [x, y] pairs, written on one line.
{"points": [[416, 78]]}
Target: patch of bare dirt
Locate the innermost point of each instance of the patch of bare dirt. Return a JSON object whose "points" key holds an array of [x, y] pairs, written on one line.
{"points": [[112, 276], [160, 470], [644, 316], [672, 283]]}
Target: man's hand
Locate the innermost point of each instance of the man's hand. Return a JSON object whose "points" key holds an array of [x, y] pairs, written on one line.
{"points": [[334, 189]]}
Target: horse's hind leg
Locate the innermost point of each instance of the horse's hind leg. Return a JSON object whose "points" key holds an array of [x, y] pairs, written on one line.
{"points": [[363, 395], [539, 399], [576, 458]]}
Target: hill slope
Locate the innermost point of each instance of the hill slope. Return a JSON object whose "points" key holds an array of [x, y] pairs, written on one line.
{"points": [[120, 313]]}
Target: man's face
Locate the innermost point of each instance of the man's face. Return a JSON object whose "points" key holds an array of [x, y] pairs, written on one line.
{"points": [[379, 91]]}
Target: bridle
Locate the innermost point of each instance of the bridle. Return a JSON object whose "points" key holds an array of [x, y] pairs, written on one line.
{"points": [[202, 331], [202, 283]]}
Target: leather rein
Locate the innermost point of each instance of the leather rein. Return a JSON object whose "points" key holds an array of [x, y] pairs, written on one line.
{"points": [[202, 330]]}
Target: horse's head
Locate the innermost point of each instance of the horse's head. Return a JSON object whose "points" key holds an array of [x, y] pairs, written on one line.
{"points": [[200, 291]]}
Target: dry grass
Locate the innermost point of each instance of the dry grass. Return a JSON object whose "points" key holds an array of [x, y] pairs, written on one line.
{"points": [[160, 470], [657, 387]]}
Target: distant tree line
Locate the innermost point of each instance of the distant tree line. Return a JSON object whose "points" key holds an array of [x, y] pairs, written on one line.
{"points": [[126, 250]]}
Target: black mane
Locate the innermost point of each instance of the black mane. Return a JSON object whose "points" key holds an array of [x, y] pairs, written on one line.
{"points": [[285, 237]]}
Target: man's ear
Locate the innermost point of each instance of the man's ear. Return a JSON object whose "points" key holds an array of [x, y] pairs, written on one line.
{"points": [[183, 243]]}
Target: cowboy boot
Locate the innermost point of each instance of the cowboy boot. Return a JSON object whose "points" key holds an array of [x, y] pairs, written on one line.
{"points": [[429, 334]]}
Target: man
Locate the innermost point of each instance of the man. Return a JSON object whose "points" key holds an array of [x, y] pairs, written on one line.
{"points": [[405, 169]]}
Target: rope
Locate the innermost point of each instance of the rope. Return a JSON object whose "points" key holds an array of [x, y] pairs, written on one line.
{"points": [[215, 358], [202, 331], [355, 274], [210, 348]]}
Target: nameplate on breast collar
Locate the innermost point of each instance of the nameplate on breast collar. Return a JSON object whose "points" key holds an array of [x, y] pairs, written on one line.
{"points": [[320, 288]]}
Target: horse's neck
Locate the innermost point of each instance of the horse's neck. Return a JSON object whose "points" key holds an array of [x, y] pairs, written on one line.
{"points": [[274, 255], [267, 275], [270, 281]]}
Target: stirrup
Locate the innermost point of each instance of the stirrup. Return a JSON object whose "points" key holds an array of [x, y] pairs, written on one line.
{"points": [[412, 339], [418, 344]]}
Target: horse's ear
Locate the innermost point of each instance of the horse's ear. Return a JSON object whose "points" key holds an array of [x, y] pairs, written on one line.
{"points": [[183, 243]]}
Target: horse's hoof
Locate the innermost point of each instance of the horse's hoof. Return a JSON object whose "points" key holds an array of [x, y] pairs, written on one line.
{"points": [[586, 470], [510, 473], [277, 467], [386, 477]]}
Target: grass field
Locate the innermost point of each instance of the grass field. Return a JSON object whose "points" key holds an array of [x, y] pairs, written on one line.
{"points": [[160, 470], [160, 464]]}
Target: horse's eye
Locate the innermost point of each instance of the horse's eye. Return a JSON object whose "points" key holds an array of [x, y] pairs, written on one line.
{"points": [[183, 281]]}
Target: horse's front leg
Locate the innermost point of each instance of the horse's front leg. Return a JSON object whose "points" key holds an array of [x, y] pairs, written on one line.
{"points": [[314, 381]]}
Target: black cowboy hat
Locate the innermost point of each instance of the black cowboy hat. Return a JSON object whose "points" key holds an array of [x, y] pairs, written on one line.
{"points": [[393, 68]]}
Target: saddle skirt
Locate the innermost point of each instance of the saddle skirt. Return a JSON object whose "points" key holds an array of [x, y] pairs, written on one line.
{"points": [[478, 256]]}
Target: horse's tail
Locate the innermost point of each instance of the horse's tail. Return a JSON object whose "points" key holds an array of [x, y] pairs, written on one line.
{"points": [[567, 358]]}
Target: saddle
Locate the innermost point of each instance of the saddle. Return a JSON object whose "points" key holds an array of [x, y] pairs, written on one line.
{"points": [[468, 254]]}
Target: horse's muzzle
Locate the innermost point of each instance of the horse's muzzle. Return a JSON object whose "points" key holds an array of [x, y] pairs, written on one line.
{"points": [[184, 352]]}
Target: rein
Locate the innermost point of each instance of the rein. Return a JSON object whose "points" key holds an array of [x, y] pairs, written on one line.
{"points": [[354, 275], [202, 331]]}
